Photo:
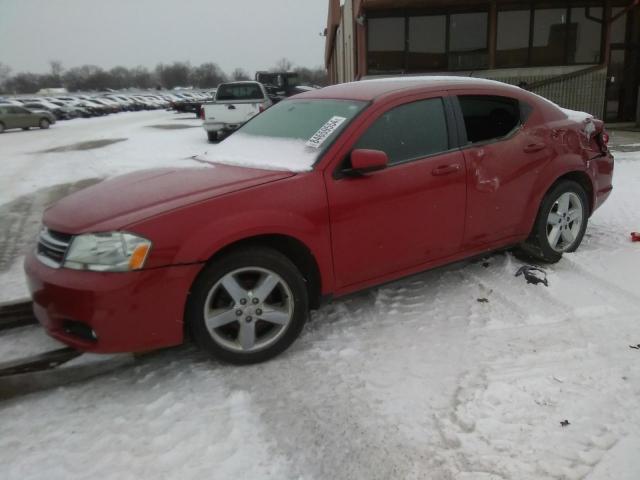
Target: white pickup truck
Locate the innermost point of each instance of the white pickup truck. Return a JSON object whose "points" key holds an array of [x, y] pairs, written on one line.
{"points": [[235, 103]]}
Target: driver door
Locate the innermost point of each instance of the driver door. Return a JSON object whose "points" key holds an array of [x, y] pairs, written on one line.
{"points": [[408, 214]]}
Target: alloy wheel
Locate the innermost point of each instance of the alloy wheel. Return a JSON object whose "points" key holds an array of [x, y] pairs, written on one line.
{"points": [[564, 221], [248, 309]]}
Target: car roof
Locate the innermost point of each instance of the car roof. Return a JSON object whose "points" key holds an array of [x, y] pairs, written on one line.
{"points": [[370, 89]]}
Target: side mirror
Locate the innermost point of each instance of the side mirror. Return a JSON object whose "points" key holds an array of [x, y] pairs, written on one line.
{"points": [[366, 161]]}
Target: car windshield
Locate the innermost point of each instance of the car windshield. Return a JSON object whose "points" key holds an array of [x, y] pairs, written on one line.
{"points": [[291, 135]]}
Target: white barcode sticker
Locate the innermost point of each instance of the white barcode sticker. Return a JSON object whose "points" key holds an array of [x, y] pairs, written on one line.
{"points": [[325, 132]]}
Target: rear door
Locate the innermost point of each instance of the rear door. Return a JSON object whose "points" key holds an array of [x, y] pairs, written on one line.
{"points": [[409, 213], [503, 158]]}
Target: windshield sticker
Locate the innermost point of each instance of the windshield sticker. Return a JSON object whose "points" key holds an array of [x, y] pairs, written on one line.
{"points": [[325, 132]]}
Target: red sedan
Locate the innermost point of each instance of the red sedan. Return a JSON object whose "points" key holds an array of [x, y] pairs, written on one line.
{"points": [[326, 193]]}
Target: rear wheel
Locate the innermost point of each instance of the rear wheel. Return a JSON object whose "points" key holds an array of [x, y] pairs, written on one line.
{"points": [[44, 123], [26, 128], [1, 127], [248, 306], [561, 223]]}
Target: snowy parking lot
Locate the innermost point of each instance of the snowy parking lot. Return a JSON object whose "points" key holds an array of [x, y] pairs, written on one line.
{"points": [[465, 372]]}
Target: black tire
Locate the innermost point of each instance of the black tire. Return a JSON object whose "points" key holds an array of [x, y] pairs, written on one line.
{"points": [[2, 127], [212, 136], [44, 123], [259, 257], [537, 245], [25, 128]]}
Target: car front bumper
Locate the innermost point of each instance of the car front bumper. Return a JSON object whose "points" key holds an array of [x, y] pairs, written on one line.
{"points": [[111, 312]]}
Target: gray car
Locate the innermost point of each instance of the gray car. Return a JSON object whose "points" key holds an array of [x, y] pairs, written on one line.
{"points": [[12, 116]]}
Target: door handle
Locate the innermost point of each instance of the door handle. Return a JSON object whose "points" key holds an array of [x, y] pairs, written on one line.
{"points": [[446, 169], [535, 147]]}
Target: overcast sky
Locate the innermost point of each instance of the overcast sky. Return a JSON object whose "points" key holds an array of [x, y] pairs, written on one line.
{"points": [[252, 34]]}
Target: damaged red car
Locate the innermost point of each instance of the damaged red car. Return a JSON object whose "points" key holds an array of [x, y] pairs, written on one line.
{"points": [[326, 193]]}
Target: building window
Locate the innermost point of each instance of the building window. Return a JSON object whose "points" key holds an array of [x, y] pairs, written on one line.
{"points": [[549, 37], [512, 48], [427, 43], [585, 35], [386, 44], [468, 41], [619, 27]]}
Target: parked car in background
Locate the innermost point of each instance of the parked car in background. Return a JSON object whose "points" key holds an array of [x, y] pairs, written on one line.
{"points": [[323, 194], [96, 109], [73, 111], [235, 103], [13, 116], [58, 112]]}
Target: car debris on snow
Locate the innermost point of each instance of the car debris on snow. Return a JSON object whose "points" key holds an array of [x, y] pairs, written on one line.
{"points": [[533, 275], [564, 423]]}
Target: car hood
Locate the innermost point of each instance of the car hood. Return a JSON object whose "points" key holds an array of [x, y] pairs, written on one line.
{"points": [[115, 203]]}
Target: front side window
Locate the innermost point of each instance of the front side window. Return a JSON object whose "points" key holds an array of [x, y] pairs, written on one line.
{"points": [[489, 117], [411, 131]]}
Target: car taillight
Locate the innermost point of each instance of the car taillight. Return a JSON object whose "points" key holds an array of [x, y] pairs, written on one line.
{"points": [[202, 113], [605, 138], [262, 108]]}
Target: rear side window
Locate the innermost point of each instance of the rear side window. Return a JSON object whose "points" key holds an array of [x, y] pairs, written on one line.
{"points": [[488, 117], [408, 132], [240, 91]]}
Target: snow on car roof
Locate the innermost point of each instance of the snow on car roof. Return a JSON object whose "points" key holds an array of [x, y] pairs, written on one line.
{"points": [[370, 88]]}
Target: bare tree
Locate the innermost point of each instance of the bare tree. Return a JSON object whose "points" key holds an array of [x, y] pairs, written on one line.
{"points": [[240, 74], [56, 68], [282, 65], [5, 73], [175, 75], [207, 75], [312, 76]]}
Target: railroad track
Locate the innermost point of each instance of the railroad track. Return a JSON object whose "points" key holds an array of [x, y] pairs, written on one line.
{"points": [[17, 314]]}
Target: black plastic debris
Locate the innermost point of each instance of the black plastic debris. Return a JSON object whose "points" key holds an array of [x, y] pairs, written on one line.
{"points": [[533, 275], [564, 423], [483, 300], [635, 347]]}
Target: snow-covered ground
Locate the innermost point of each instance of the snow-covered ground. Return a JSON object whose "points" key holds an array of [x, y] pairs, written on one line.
{"points": [[413, 380]]}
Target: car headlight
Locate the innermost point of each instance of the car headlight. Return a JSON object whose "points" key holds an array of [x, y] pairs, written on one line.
{"points": [[107, 252]]}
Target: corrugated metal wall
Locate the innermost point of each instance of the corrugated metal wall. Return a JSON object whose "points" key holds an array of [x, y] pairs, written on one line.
{"points": [[585, 92]]}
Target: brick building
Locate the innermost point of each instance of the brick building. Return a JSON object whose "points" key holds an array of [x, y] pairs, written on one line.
{"points": [[582, 54]]}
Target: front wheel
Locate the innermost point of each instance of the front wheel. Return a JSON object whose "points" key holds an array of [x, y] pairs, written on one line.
{"points": [[44, 123], [212, 136], [561, 223], [248, 306]]}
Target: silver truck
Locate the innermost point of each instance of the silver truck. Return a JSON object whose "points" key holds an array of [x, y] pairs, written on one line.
{"points": [[235, 103]]}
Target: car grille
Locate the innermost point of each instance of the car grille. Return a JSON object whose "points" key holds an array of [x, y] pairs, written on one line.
{"points": [[52, 247]]}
